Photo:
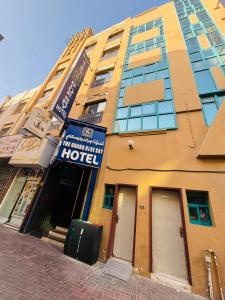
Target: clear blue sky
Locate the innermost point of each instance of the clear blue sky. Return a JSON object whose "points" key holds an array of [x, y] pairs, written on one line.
{"points": [[35, 31]]}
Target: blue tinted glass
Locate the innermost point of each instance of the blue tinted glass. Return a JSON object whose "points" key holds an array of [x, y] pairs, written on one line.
{"points": [[150, 123], [198, 65], [127, 74], [215, 38], [184, 22], [134, 124], [122, 91], [205, 82], [195, 56], [222, 58], [162, 65], [221, 49], [186, 30], [122, 113], [210, 111], [165, 107], [192, 45], [208, 52], [199, 31], [162, 74], [220, 99], [120, 125], [120, 102], [168, 94], [202, 16], [137, 79], [138, 71], [211, 62], [166, 121], [149, 109], [135, 111], [150, 68], [127, 82], [188, 35], [167, 83], [149, 77]]}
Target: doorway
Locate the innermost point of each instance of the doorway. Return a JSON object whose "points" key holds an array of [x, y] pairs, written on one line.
{"points": [[61, 198], [168, 251], [123, 245]]}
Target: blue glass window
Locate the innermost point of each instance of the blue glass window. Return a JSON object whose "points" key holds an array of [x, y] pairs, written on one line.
{"points": [[162, 65], [134, 124], [166, 121], [137, 79], [211, 62], [162, 74], [208, 52], [198, 65], [149, 109], [135, 111], [205, 82], [120, 125], [149, 77], [168, 94], [198, 207], [193, 45], [150, 68], [165, 107], [150, 123], [195, 56], [167, 83], [122, 113], [210, 111]]}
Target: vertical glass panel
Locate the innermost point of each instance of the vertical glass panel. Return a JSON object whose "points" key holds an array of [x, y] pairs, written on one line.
{"points": [[135, 111], [205, 82], [137, 80], [192, 45], [134, 124], [166, 121], [162, 74], [195, 56], [210, 111], [150, 123], [149, 109], [220, 99], [213, 61], [167, 83], [122, 91], [208, 52], [149, 77], [120, 125], [198, 65], [168, 94], [165, 107], [221, 49], [150, 68], [162, 65], [122, 113]]}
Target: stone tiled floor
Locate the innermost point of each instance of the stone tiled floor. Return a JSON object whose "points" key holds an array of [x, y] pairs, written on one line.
{"points": [[32, 269]]}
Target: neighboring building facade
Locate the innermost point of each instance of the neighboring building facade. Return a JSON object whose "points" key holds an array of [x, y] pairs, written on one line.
{"points": [[157, 83]]}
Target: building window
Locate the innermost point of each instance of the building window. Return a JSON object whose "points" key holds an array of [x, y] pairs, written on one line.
{"points": [[210, 106], [58, 73], [102, 78], [90, 47], [109, 196], [19, 108], [198, 208], [93, 113], [110, 53], [115, 36]]}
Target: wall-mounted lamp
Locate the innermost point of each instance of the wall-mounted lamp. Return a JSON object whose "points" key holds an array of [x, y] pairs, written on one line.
{"points": [[130, 144]]}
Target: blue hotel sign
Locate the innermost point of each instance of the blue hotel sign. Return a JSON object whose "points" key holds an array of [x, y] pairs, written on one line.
{"points": [[82, 144], [68, 93]]}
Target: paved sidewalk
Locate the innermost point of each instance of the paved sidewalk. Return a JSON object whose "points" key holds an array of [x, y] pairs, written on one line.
{"points": [[32, 269]]}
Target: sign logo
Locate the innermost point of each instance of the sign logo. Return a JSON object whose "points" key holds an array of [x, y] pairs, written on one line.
{"points": [[70, 89], [87, 132], [82, 144]]}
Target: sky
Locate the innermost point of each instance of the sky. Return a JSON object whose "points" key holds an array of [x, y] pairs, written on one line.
{"points": [[35, 32]]}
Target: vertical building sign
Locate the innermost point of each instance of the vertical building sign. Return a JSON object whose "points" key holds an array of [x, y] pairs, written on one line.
{"points": [[70, 89]]}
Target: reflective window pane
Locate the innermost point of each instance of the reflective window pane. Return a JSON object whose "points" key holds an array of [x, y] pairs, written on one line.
{"points": [[198, 65], [150, 123], [149, 77], [165, 107], [195, 56], [166, 121], [122, 113], [135, 111], [149, 109], [134, 124], [205, 82], [210, 111], [120, 125], [192, 45], [211, 62]]}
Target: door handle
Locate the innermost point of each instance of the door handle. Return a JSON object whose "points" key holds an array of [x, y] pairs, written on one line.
{"points": [[181, 232]]}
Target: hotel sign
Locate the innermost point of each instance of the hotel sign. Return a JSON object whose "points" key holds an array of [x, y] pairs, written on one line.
{"points": [[67, 95], [8, 144], [38, 122], [82, 144]]}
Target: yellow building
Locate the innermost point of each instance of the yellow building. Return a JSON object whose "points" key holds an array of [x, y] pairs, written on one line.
{"points": [[157, 83]]}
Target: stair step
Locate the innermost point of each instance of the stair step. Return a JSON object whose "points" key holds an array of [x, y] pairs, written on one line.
{"points": [[57, 236], [53, 242], [11, 226], [61, 230]]}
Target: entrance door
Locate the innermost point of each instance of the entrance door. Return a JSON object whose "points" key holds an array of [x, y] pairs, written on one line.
{"points": [[124, 231], [11, 197], [167, 238]]}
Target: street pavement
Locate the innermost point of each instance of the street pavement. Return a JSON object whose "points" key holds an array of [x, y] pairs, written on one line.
{"points": [[32, 269]]}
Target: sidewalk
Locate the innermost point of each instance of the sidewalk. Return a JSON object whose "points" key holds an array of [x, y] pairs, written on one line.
{"points": [[32, 269]]}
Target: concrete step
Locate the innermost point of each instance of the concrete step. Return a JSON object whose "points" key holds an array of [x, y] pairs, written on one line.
{"points": [[11, 226], [53, 242], [61, 230], [57, 236]]}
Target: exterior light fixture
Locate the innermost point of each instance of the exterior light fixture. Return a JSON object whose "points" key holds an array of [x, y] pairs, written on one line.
{"points": [[130, 144]]}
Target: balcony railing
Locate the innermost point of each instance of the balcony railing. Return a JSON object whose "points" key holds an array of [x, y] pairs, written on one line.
{"points": [[92, 118]]}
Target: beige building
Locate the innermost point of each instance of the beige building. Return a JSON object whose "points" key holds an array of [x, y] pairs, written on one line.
{"points": [[157, 83]]}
